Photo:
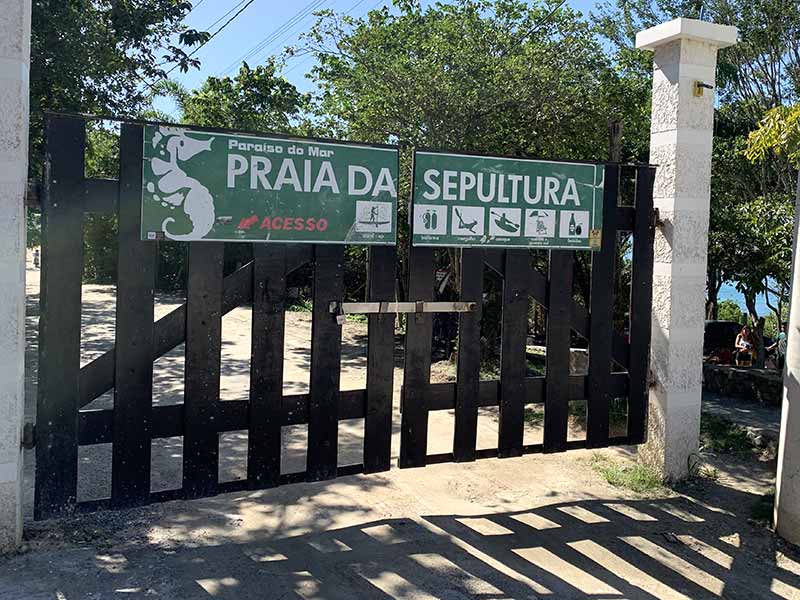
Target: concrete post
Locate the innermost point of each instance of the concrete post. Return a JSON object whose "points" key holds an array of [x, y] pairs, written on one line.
{"points": [[684, 65], [787, 489], [15, 28]]}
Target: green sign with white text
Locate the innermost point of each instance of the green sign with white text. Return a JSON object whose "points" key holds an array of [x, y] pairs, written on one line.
{"points": [[208, 186], [467, 200]]}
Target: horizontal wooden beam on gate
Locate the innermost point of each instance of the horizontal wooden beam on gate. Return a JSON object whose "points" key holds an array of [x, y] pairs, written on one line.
{"points": [[369, 308]]}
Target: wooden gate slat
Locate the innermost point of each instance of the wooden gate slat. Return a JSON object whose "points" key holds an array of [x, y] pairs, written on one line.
{"points": [[417, 372], [60, 320], [641, 303], [513, 363], [203, 346], [559, 307], [601, 318], [469, 357], [266, 365], [133, 390], [326, 356], [380, 361]]}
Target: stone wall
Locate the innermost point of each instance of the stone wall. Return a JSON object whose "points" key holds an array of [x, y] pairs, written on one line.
{"points": [[759, 385]]}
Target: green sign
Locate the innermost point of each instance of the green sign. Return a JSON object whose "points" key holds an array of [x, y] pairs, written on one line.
{"points": [[465, 200], [200, 185]]}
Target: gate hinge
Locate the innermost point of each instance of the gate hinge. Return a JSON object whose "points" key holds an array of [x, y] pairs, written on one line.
{"points": [[29, 436]]}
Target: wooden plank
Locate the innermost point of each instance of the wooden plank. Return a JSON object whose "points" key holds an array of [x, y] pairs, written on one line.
{"points": [[95, 426], [559, 308], [60, 320], [326, 357], [202, 371], [417, 372], [601, 320], [380, 361], [641, 303], [266, 365], [513, 362], [133, 392], [100, 195], [469, 357], [170, 331], [580, 317]]}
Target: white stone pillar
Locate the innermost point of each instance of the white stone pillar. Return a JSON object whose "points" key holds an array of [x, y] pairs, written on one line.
{"points": [[15, 27], [685, 55], [787, 489]]}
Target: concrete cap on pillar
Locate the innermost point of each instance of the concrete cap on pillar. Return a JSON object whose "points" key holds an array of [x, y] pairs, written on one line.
{"points": [[678, 29]]}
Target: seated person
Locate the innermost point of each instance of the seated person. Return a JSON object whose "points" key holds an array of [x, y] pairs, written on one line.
{"points": [[744, 347]]}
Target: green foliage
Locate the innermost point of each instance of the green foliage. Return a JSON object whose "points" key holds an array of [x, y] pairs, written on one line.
{"points": [[730, 311], [93, 56], [636, 477], [779, 133], [99, 248], [100, 231], [720, 434], [255, 99], [494, 76], [33, 235], [762, 71]]}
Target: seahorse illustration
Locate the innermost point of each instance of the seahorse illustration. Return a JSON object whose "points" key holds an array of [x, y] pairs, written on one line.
{"points": [[198, 203]]}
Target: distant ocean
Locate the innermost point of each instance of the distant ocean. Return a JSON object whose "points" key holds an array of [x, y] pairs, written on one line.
{"points": [[729, 292]]}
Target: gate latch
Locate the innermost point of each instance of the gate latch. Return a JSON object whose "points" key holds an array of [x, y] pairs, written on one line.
{"points": [[371, 308]]}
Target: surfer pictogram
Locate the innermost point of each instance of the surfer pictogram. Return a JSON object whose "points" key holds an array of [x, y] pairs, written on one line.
{"points": [[374, 216], [504, 223], [462, 224]]}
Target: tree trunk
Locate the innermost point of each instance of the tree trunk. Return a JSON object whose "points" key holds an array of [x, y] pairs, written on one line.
{"points": [[713, 285], [757, 327]]}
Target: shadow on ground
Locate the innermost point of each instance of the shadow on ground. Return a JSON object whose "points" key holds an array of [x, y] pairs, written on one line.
{"points": [[679, 547]]}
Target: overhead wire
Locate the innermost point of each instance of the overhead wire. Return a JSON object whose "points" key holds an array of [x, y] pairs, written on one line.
{"points": [[275, 34], [352, 8], [245, 3]]}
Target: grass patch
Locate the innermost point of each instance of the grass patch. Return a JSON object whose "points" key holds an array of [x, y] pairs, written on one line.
{"points": [[635, 477], [719, 434], [301, 305]]}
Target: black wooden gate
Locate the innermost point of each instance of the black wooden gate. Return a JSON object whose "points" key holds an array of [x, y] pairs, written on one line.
{"points": [[618, 363]]}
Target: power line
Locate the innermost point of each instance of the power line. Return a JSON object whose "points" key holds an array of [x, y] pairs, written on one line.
{"points": [[191, 10], [352, 8], [211, 37], [277, 44], [271, 37], [235, 6]]}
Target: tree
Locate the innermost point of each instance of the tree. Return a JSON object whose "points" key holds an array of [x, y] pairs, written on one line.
{"points": [[778, 136], [730, 311], [256, 99], [503, 76], [750, 203], [97, 56]]}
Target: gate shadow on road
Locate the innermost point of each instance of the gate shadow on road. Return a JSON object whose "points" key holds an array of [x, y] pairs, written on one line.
{"points": [[676, 547]]}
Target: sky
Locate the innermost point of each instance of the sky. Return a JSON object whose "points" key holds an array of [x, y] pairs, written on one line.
{"points": [[263, 29], [266, 27]]}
